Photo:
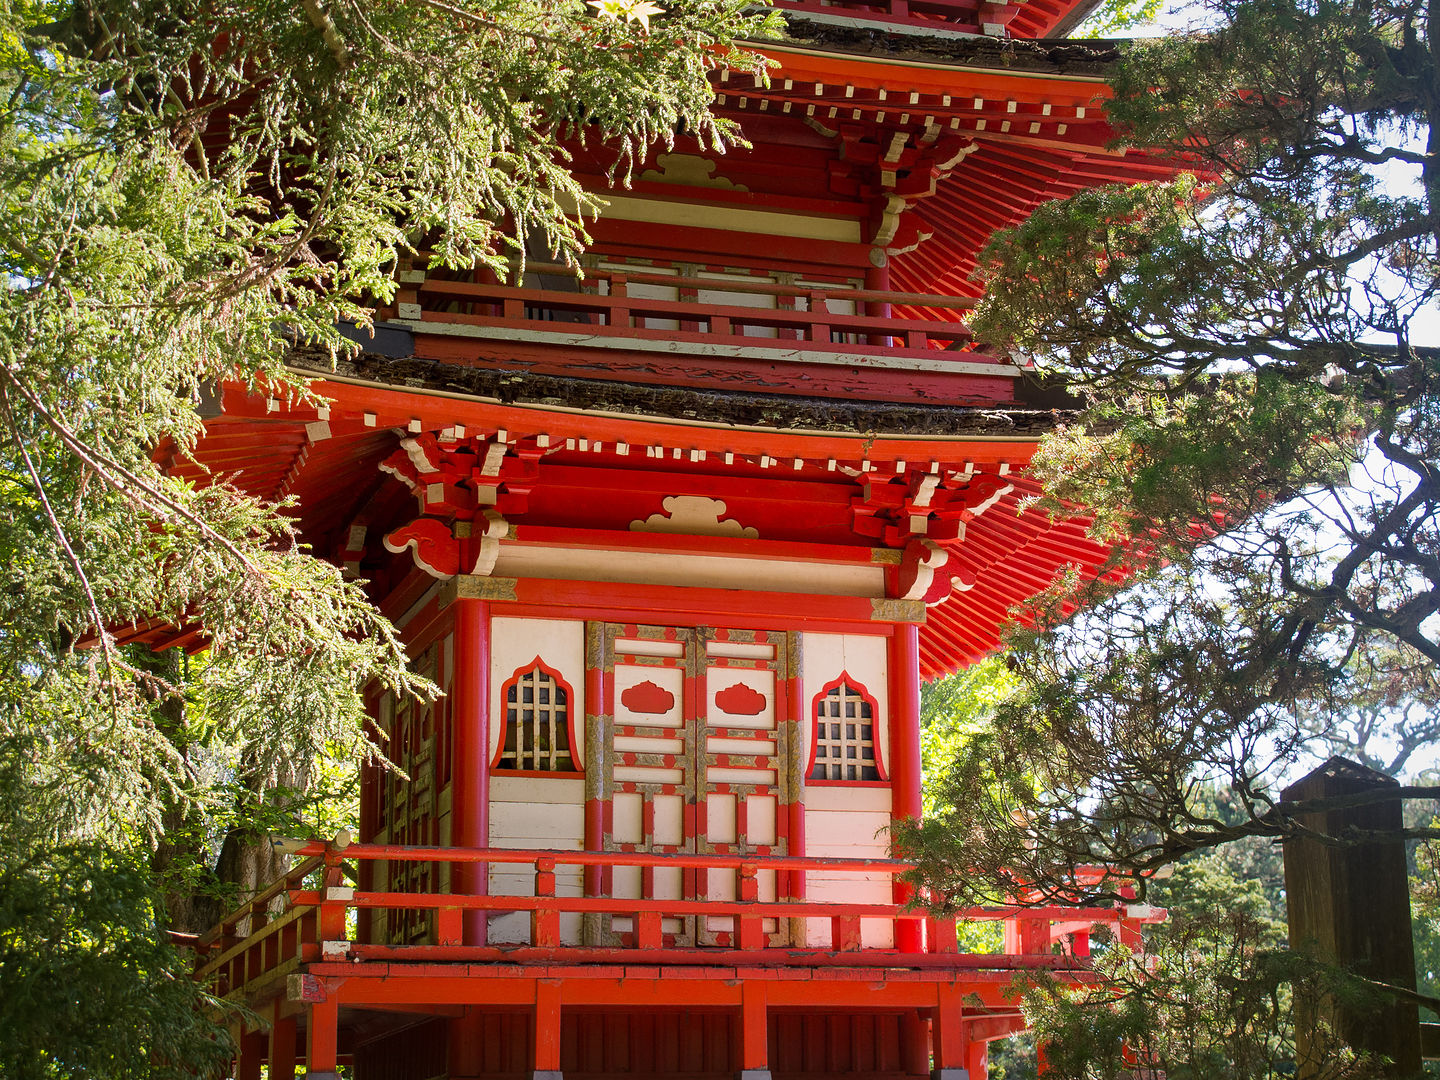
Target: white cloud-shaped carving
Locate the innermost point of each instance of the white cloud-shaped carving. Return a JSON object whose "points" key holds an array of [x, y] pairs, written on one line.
{"points": [[693, 514]]}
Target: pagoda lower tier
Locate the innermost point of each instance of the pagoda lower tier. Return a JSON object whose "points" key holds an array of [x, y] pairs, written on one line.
{"points": [[645, 828]]}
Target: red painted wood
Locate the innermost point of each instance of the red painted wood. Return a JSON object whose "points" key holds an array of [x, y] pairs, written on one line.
{"points": [[546, 1049], [949, 1040], [322, 1052], [754, 1027], [470, 785], [283, 1043], [905, 799]]}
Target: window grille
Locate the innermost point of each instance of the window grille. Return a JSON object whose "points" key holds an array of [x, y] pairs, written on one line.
{"points": [[844, 736], [537, 724]]}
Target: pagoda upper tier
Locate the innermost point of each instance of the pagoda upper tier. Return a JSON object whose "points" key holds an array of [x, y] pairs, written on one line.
{"points": [[781, 328]]}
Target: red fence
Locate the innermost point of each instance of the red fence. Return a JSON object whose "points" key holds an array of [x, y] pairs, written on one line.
{"points": [[800, 318], [305, 917]]}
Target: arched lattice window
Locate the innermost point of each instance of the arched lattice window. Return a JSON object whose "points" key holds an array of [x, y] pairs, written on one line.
{"points": [[537, 723], [844, 735]]}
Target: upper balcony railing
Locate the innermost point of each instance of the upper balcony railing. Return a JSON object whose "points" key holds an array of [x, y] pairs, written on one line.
{"points": [[306, 917], [732, 315]]}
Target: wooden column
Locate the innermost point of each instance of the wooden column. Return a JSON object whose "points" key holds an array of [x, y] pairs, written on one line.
{"points": [[251, 1056], [754, 1033], [914, 1043], [470, 779], [283, 1044], [465, 1054], [905, 777], [322, 1041], [977, 1060], [547, 1030], [949, 1041], [1352, 905]]}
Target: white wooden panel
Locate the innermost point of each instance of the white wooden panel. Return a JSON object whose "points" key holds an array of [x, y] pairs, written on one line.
{"points": [[560, 643], [720, 819], [836, 834], [639, 774], [760, 819], [874, 800], [647, 647], [669, 820], [740, 776], [537, 789], [753, 684], [744, 649], [667, 702], [645, 745], [627, 825], [561, 823], [739, 746]]}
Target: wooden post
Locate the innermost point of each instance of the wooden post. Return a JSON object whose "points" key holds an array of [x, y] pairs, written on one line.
{"points": [[905, 801], [1352, 904], [322, 1041], [547, 1030], [465, 1058], [470, 783], [283, 1044], [914, 1043], [754, 1033], [251, 1057], [947, 1034]]}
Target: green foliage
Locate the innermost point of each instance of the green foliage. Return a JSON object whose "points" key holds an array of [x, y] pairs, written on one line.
{"points": [[91, 988], [187, 194]]}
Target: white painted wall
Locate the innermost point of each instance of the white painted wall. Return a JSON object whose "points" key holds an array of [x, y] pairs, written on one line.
{"points": [[536, 812], [847, 821]]}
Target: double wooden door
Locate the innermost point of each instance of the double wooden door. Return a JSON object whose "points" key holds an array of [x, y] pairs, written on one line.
{"points": [[690, 752]]}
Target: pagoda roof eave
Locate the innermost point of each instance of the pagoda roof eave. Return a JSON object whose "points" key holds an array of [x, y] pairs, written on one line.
{"points": [[766, 413], [927, 46]]}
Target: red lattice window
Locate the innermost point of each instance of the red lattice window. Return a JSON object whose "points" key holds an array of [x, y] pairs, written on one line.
{"points": [[538, 723]]}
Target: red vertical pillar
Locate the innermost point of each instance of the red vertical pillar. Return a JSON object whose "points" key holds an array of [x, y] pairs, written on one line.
{"points": [[905, 757], [252, 1055], [948, 1035], [915, 1044], [977, 1060], [322, 1041], [547, 1030], [470, 779], [754, 1033], [282, 1044]]}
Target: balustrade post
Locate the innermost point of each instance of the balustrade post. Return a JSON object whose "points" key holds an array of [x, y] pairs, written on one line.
{"points": [[335, 898], [819, 317], [941, 935], [751, 927], [545, 922], [619, 314], [845, 933]]}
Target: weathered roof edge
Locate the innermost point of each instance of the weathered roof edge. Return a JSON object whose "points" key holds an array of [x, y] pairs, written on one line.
{"points": [[938, 45], [518, 387]]}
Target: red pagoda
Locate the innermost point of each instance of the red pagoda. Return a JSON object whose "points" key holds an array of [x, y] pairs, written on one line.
{"points": [[679, 539]]}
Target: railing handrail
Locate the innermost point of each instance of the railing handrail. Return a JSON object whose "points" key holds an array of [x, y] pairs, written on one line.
{"points": [[740, 285], [646, 307], [571, 857]]}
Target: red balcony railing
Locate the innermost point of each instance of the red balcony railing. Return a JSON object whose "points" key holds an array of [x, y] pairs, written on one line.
{"points": [[603, 309], [305, 917]]}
